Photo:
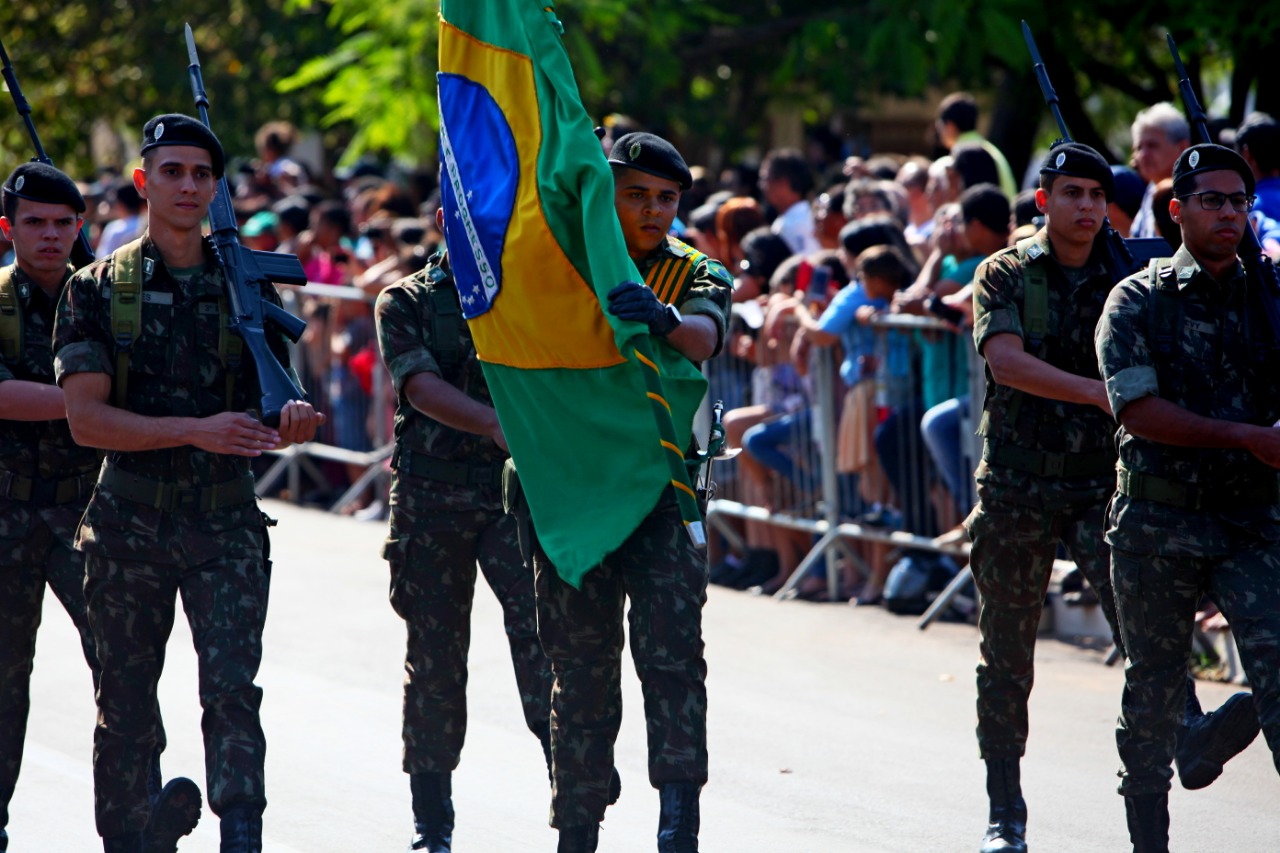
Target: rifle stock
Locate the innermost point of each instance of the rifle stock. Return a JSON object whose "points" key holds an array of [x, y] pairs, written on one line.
{"points": [[81, 253], [1256, 264], [247, 272]]}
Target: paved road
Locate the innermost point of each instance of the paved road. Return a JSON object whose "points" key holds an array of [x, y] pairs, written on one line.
{"points": [[832, 730]]}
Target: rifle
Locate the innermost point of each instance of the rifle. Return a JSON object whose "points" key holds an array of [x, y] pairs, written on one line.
{"points": [[81, 254], [1256, 264], [1124, 256], [247, 272]]}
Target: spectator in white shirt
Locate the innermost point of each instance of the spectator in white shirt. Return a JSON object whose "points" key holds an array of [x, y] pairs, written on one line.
{"points": [[785, 180]]}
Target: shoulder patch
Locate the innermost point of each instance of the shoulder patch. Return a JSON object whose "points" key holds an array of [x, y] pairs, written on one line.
{"points": [[717, 270]]}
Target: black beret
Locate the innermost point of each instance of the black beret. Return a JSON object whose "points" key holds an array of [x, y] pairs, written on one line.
{"points": [[1079, 161], [1211, 158], [42, 182], [177, 129], [651, 154]]}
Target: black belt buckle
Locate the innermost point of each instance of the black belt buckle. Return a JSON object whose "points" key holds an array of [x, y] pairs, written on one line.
{"points": [[44, 492], [482, 476], [1053, 464]]}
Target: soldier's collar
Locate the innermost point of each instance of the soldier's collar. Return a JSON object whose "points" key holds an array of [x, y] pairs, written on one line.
{"points": [[1035, 247], [1188, 269], [662, 250], [24, 285], [1039, 247]]}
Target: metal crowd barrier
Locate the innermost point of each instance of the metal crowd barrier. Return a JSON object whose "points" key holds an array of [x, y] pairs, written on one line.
{"points": [[827, 519], [367, 415]]}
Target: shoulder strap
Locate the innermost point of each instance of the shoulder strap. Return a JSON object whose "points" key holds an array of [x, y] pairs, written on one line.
{"points": [[126, 321], [1035, 303], [446, 327], [11, 342], [126, 310], [1164, 306]]}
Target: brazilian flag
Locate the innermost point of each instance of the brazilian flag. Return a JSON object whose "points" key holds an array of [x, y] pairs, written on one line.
{"points": [[594, 411]]}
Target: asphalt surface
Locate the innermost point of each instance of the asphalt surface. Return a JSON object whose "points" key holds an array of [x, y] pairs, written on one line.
{"points": [[832, 729]]}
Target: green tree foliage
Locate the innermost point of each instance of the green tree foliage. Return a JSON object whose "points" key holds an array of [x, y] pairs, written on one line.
{"points": [[708, 71], [124, 61], [380, 80]]}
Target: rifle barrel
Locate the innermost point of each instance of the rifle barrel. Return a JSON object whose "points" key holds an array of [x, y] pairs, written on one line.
{"points": [[1046, 87], [81, 252]]}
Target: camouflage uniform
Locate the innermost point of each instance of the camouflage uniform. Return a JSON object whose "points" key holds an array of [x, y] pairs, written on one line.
{"points": [[1044, 480], [665, 578], [45, 481], [1189, 519], [447, 516], [167, 521]]}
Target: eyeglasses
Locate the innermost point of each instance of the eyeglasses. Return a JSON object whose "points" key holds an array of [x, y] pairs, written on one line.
{"points": [[1211, 200]]}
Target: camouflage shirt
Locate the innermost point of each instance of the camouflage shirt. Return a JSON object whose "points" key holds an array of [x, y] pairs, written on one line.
{"points": [[175, 366], [410, 331], [41, 450], [696, 284], [1209, 366], [1012, 417]]}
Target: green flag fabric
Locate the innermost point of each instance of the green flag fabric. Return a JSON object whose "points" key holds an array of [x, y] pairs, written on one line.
{"points": [[535, 245]]}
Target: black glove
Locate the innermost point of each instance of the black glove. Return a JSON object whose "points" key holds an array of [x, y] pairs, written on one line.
{"points": [[631, 300]]}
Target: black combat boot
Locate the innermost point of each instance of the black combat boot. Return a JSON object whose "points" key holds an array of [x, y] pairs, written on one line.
{"points": [[579, 839], [1205, 742], [1007, 823], [242, 829], [1148, 818], [432, 812], [125, 842], [678, 820], [174, 813]]}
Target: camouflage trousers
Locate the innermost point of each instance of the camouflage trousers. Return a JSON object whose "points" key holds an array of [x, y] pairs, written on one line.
{"points": [[1157, 598], [33, 556], [665, 578], [217, 562], [1014, 546], [433, 581]]}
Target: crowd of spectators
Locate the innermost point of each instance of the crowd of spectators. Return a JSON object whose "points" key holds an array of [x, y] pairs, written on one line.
{"points": [[823, 251], [896, 235]]}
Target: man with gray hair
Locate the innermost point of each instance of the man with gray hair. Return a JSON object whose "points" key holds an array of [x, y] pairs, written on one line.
{"points": [[1160, 134]]}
